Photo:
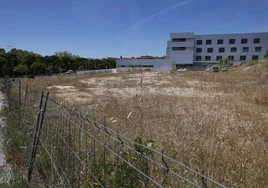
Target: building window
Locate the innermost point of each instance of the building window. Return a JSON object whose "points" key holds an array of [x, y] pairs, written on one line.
{"points": [[220, 41], [198, 58], [199, 42], [123, 66], [221, 50], [219, 57], [231, 57], [243, 58], [255, 57], [179, 40], [198, 50], [233, 49], [231, 41], [208, 42], [210, 50], [208, 58], [256, 40], [244, 41], [245, 49], [257, 49], [178, 48]]}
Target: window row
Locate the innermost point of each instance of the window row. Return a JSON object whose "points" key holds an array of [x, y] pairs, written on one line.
{"points": [[178, 48], [232, 49], [231, 57], [178, 39], [231, 41]]}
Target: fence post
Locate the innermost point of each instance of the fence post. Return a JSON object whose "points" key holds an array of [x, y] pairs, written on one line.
{"points": [[38, 126], [19, 101], [34, 139], [25, 96], [7, 93], [44, 111], [104, 157]]}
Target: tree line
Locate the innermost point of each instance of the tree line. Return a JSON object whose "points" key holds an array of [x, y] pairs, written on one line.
{"points": [[17, 62]]}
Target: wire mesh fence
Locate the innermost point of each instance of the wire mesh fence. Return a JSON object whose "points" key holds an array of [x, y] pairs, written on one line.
{"points": [[66, 148]]}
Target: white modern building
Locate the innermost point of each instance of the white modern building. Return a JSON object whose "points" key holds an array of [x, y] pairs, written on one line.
{"points": [[196, 52]]}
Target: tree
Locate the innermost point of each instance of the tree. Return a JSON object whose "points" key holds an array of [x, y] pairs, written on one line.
{"points": [[38, 68], [52, 63], [22, 69], [221, 63], [29, 58], [173, 66], [6, 69], [66, 60], [64, 54], [225, 63], [2, 51], [59, 62], [3, 61], [130, 67]]}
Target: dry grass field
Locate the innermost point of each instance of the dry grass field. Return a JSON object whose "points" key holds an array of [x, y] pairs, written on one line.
{"points": [[215, 122]]}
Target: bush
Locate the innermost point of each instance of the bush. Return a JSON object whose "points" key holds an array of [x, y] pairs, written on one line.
{"points": [[22, 69], [266, 55], [31, 76], [38, 68]]}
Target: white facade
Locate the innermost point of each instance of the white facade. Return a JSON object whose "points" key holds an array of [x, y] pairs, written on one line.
{"points": [[195, 51], [246, 47], [180, 48]]}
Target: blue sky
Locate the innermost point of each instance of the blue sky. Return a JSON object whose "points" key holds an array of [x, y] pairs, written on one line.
{"points": [[101, 28]]}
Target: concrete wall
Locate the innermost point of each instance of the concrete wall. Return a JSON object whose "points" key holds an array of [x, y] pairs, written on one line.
{"points": [[158, 64], [184, 56], [97, 71]]}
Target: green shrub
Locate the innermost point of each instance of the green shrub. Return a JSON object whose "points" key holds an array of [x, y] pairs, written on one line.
{"points": [[31, 76], [266, 55]]}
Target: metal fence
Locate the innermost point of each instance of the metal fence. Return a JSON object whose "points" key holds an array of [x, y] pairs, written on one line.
{"points": [[66, 148]]}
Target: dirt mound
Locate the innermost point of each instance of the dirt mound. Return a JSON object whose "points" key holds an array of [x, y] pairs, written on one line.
{"points": [[260, 66]]}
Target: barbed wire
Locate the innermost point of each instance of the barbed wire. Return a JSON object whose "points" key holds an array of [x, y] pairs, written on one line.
{"points": [[101, 126], [54, 165], [105, 130], [133, 150], [65, 129]]}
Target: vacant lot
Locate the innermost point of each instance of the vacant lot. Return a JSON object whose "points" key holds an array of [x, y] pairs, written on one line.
{"points": [[215, 122]]}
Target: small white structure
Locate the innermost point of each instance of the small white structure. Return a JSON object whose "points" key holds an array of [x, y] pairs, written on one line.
{"points": [[143, 64]]}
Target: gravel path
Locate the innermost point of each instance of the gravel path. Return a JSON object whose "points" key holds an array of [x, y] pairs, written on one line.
{"points": [[5, 169]]}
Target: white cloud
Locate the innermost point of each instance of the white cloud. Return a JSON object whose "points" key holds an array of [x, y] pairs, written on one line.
{"points": [[181, 3], [136, 26]]}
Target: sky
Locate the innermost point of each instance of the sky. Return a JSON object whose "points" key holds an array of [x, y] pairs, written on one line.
{"points": [[111, 28]]}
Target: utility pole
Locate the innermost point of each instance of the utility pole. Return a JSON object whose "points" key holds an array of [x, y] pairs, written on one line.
{"points": [[9, 46]]}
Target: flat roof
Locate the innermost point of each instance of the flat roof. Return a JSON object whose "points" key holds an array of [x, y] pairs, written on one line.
{"points": [[220, 33], [234, 34]]}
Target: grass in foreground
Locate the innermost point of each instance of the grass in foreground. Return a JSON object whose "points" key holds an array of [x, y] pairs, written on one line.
{"points": [[219, 125]]}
